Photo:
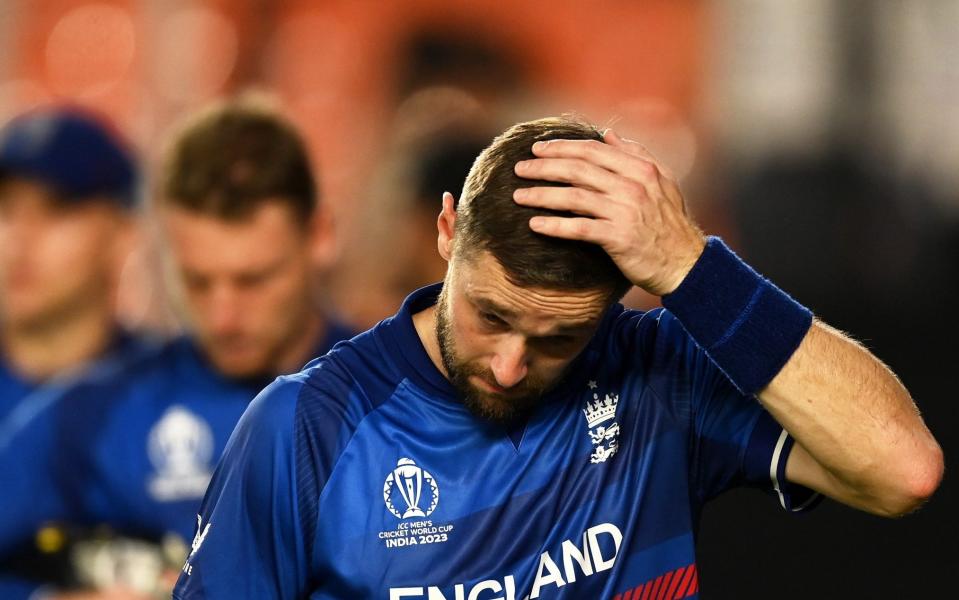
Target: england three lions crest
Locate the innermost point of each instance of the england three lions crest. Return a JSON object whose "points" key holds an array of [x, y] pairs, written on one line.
{"points": [[603, 430]]}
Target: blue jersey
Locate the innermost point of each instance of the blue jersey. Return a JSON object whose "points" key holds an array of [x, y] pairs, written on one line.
{"points": [[134, 451], [28, 442], [364, 476], [28, 438], [15, 389]]}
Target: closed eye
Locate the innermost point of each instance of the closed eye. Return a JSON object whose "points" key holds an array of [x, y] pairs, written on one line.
{"points": [[492, 319], [553, 341]]}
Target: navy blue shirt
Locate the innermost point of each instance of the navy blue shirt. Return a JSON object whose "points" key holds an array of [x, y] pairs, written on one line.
{"points": [[27, 441], [134, 450], [15, 389], [364, 476]]}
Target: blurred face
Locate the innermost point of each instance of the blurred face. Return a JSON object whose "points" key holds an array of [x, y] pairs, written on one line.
{"points": [[246, 284], [503, 346], [56, 257]]}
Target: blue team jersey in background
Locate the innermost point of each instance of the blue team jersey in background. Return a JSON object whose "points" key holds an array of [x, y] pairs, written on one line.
{"points": [[28, 488], [15, 388], [133, 450], [364, 476]]}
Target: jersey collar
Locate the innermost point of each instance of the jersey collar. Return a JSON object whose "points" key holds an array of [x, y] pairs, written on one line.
{"points": [[415, 362]]}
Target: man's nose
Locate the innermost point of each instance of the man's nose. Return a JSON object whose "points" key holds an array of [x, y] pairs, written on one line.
{"points": [[509, 363], [224, 310]]}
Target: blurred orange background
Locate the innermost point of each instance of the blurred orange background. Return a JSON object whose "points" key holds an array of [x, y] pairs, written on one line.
{"points": [[819, 137]]}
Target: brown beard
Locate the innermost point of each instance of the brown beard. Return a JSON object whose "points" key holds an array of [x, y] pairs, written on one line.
{"points": [[498, 408]]}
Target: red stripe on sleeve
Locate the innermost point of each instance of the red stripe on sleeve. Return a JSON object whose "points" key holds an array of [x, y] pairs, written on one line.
{"points": [[687, 579], [662, 589], [676, 579], [655, 587], [694, 587]]}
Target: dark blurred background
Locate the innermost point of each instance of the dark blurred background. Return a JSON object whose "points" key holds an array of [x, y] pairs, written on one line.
{"points": [[818, 137]]}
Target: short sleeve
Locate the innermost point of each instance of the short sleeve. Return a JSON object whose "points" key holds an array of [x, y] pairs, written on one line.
{"points": [[766, 455], [733, 440], [248, 543]]}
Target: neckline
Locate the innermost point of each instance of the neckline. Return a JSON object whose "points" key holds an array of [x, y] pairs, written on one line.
{"points": [[407, 345]]}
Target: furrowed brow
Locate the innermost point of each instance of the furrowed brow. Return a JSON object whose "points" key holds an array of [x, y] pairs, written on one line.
{"points": [[489, 306], [575, 328]]}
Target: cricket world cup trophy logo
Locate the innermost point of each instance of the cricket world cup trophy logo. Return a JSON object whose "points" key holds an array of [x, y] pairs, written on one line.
{"points": [[410, 488]]}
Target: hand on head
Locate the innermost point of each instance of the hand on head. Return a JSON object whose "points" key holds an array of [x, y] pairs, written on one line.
{"points": [[622, 199]]}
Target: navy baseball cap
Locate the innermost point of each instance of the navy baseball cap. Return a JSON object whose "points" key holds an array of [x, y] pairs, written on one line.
{"points": [[77, 154]]}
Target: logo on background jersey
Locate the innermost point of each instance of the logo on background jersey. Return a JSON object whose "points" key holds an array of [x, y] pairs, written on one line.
{"points": [[200, 536], [181, 447], [198, 540], [411, 492], [405, 486], [603, 434]]}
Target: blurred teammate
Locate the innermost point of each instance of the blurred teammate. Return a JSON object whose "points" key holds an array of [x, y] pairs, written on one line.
{"points": [[67, 189], [515, 433], [245, 239]]}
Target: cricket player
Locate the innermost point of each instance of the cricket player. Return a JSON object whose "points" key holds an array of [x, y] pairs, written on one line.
{"points": [[515, 433]]}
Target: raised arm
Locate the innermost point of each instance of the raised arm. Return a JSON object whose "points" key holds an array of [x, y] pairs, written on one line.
{"points": [[859, 437]]}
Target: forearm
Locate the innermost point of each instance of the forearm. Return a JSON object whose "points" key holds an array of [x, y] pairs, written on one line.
{"points": [[859, 436], [857, 422]]}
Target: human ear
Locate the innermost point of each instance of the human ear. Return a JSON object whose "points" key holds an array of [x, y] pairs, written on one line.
{"points": [[322, 238], [446, 226]]}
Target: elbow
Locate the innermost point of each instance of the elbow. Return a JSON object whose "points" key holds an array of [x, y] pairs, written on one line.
{"points": [[927, 475], [917, 482]]}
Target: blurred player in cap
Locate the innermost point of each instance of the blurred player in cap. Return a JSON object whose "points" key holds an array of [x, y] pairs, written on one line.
{"points": [[68, 193], [244, 239], [68, 186]]}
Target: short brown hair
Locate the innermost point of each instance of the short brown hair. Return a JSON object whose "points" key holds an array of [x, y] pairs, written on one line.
{"points": [[487, 218], [234, 156]]}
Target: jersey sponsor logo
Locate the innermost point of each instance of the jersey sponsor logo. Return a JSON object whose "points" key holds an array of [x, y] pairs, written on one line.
{"points": [[411, 492], [198, 539], [605, 437], [200, 536], [180, 446], [577, 560]]}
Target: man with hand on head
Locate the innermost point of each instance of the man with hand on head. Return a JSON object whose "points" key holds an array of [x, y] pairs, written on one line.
{"points": [[515, 432], [244, 238]]}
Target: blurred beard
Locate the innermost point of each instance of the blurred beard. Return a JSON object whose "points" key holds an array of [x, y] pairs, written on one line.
{"points": [[502, 409]]}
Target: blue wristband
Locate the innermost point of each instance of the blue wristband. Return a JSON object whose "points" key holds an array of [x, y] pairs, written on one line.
{"points": [[747, 325]]}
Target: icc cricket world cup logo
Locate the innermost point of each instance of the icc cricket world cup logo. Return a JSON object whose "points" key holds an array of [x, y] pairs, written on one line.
{"points": [[406, 484]]}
